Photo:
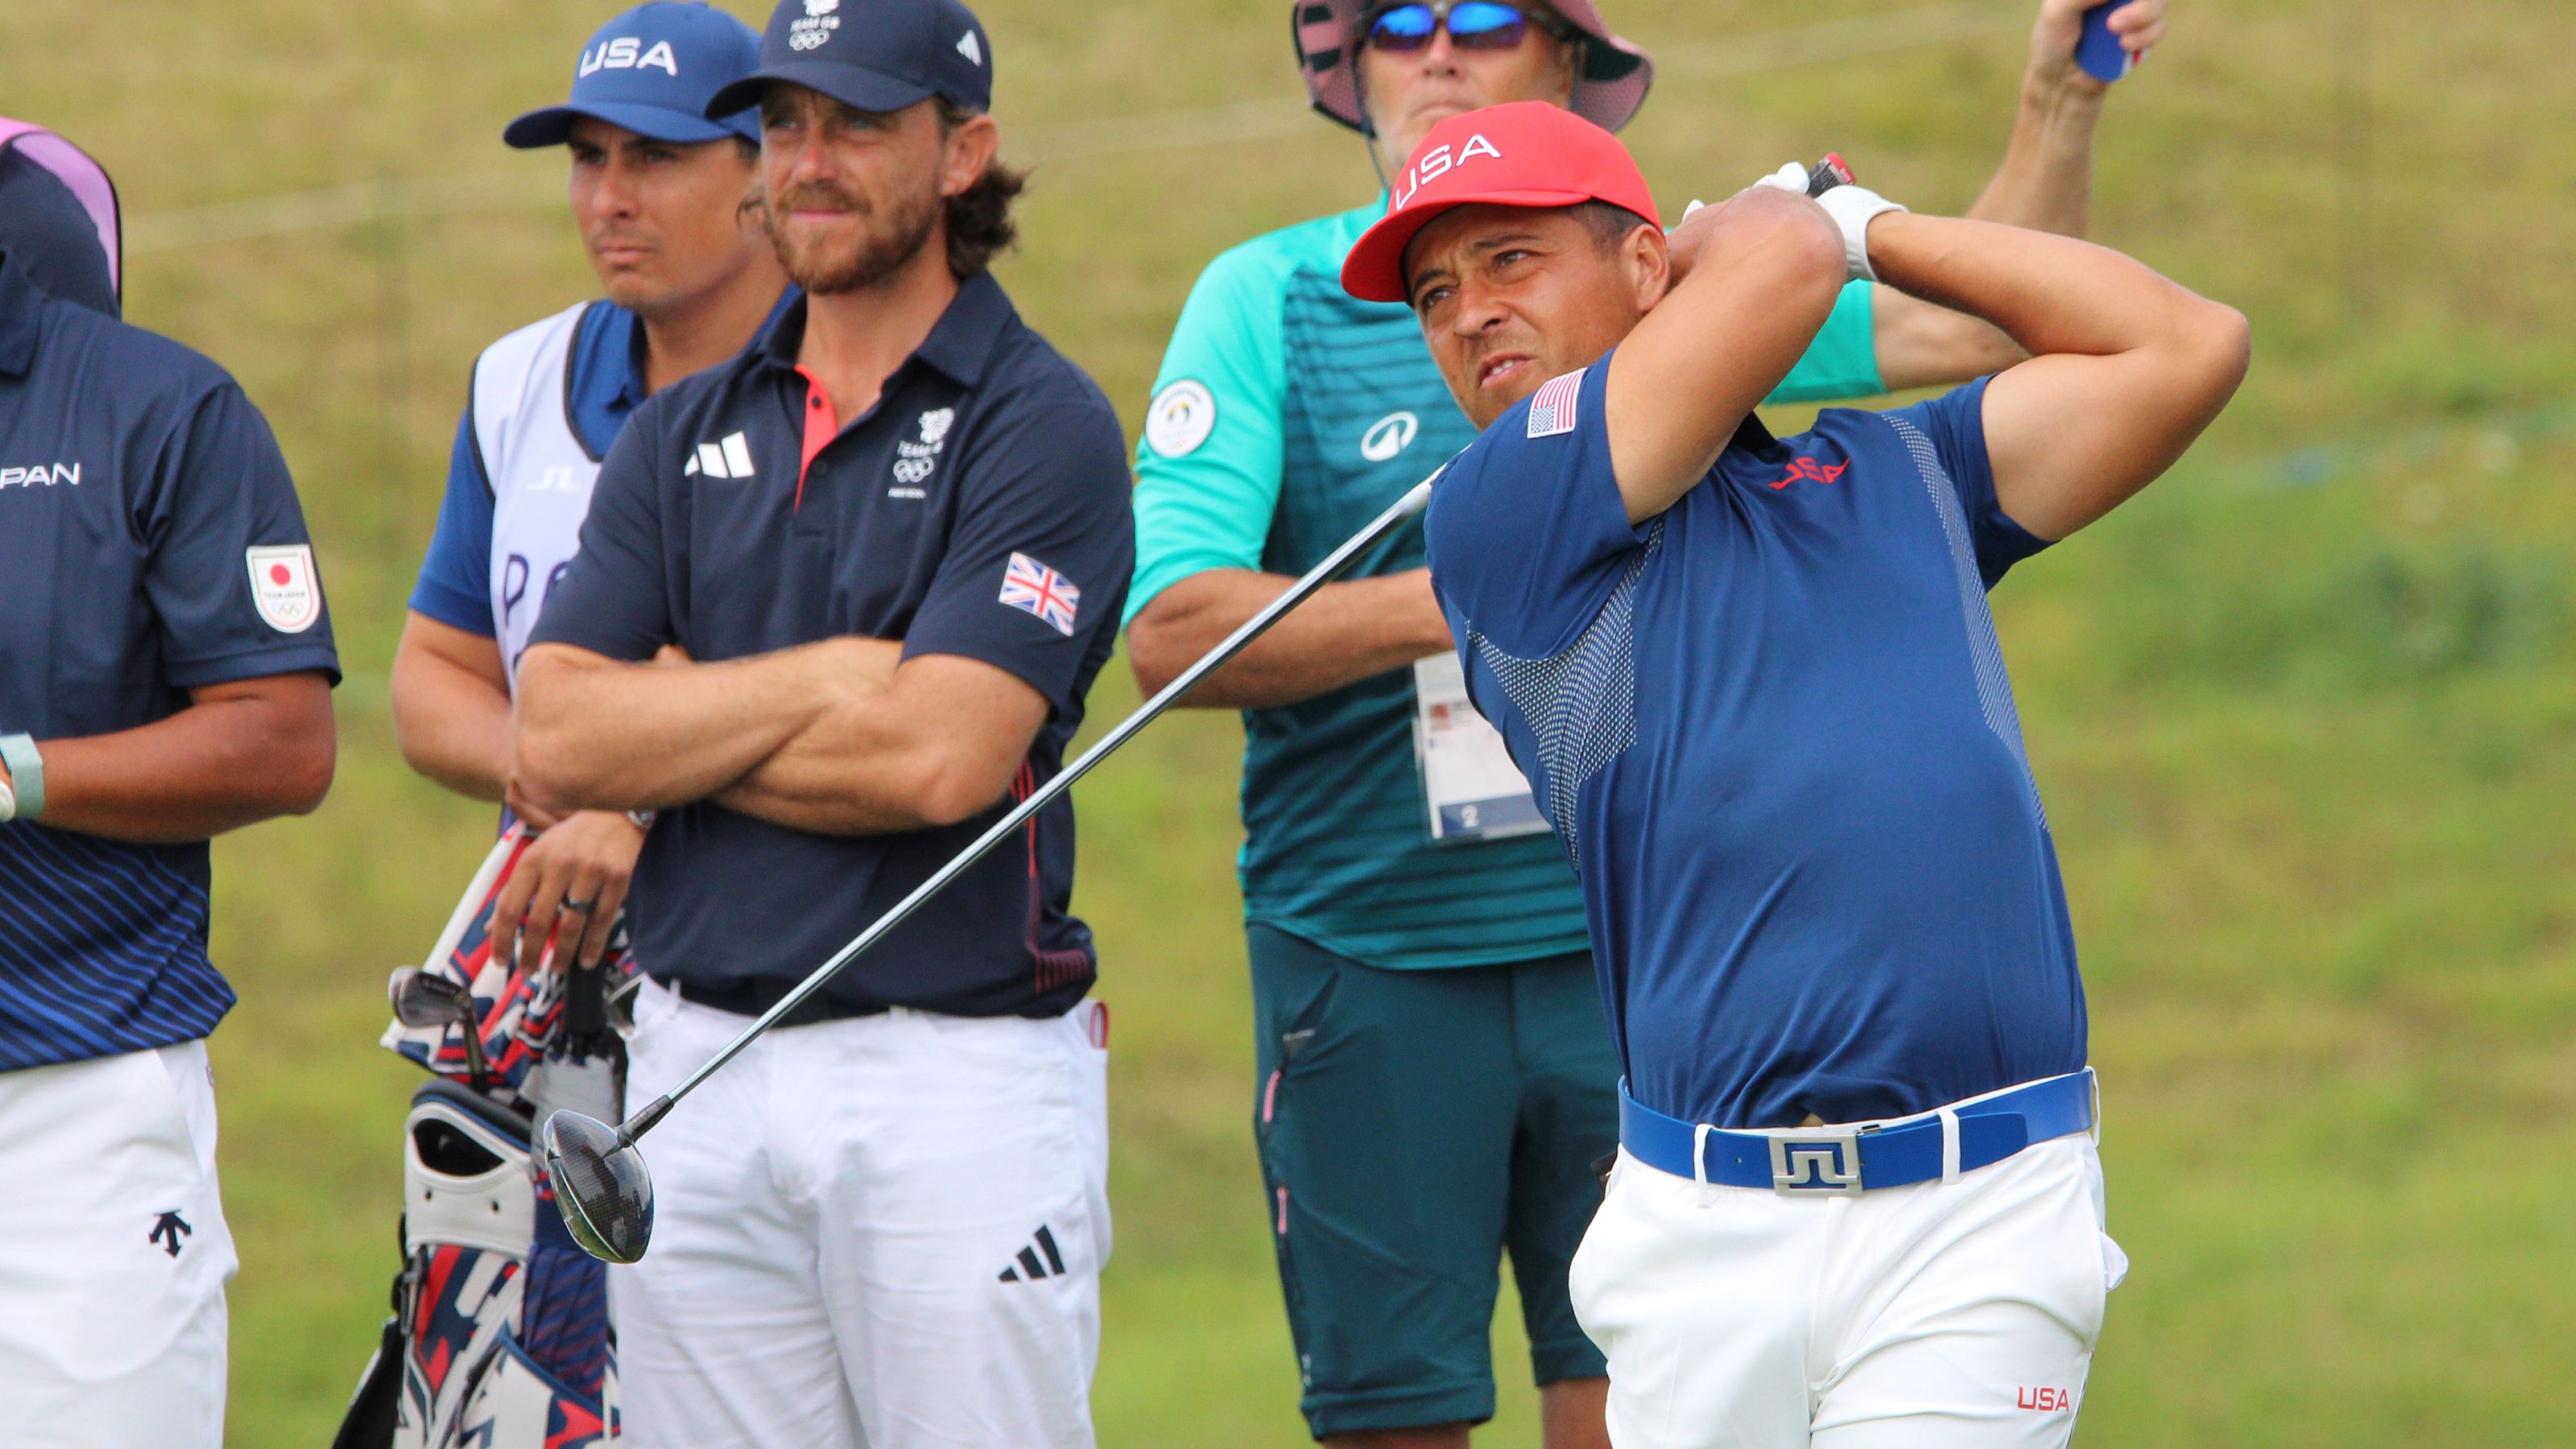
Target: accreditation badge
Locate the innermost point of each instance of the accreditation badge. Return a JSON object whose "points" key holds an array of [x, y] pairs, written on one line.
{"points": [[1471, 790]]}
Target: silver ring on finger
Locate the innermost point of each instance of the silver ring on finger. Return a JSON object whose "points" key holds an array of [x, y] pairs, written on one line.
{"points": [[578, 908]]}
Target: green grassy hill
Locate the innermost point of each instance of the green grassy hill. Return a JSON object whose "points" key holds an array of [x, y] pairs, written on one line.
{"points": [[2305, 713]]}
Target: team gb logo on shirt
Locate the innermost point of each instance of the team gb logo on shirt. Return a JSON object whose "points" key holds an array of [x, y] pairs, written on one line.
{"points": [[913, 461], [283, 587]]}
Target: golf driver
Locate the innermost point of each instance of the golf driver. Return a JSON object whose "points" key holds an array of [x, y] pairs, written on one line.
{"points": [[423, 1000], [601, 1187]]}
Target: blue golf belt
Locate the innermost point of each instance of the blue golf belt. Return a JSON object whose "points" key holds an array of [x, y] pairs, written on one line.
{"points": [[1935, 1146]]}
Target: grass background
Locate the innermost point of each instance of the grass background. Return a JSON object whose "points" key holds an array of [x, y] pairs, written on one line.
{"points": [[2305, 713]]}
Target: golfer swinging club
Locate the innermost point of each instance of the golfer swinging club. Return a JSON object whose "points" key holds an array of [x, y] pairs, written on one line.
{"points": [[1433, 1076], [891, 539], [1756, 687]]}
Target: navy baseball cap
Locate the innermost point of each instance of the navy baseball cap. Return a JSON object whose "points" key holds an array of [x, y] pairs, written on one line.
{"points": [[877, 55], [651, 70]]}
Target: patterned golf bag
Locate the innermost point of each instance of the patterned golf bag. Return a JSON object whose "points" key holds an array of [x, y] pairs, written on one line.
{"points": [[499, 1336]]}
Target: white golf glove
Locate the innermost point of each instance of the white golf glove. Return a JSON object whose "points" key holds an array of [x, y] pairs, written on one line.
{"points": [[1851, 207]]}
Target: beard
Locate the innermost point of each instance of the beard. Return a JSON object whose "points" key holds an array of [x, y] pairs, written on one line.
{"points": [[888, 239]]}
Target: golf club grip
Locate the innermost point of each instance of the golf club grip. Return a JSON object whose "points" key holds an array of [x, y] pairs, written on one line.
{"points": [[1828, 174], [1321, 574]]}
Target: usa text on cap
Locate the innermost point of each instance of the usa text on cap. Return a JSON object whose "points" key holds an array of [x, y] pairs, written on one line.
{"points": [[1528, 153], [651, 70]]}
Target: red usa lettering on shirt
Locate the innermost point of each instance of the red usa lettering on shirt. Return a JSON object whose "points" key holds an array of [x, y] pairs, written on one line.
{"points": [[2045, 1400], [1812, 471], [1438, 161]]}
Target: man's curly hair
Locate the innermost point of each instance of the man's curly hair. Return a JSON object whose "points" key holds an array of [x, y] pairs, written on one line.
{"points": [[979, 218]]}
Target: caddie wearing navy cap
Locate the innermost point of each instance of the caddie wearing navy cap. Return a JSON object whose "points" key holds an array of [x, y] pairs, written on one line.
{"points": [[837, 603], [657, 192], [166, 677]]}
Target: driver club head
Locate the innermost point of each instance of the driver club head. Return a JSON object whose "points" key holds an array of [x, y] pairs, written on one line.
{"points": [[601, 1187]]}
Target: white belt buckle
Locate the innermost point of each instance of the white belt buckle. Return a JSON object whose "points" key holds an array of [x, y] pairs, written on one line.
{"points": [[1816, 1160]]}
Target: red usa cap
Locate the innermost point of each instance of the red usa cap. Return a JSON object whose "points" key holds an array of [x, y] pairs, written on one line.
{"points": [[1528, 153]]}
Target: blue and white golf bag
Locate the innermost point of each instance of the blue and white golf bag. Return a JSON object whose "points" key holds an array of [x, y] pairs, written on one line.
{"points": [[499, 1337]]}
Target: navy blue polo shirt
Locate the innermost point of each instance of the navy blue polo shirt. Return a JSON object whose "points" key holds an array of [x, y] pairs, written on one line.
{"points": [[150, 544], [1773, 730], [980, 508]]}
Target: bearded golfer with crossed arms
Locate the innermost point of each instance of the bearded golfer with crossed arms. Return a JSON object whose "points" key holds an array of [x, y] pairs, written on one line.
{"points": [[1755, 685]]}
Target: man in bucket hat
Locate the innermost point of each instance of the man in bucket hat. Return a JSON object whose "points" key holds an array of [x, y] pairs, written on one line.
{"points": [[1857, 1203], [1415, 936]]}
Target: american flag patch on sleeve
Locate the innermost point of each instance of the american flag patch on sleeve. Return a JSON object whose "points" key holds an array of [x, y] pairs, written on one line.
{"points": [[1552, 406], [1033, 587]]}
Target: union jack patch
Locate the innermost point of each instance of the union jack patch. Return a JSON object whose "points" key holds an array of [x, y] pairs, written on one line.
{"points": [[1032, 586], [1552, 406]]}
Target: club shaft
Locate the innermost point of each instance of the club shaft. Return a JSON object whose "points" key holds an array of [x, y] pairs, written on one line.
{"points": [[1318, 576]]}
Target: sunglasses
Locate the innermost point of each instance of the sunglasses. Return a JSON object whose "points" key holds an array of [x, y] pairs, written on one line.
{"points": [[1472, 25]]}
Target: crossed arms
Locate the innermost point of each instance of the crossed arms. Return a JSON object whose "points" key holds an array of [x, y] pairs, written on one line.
{"points": [[841, 737]]}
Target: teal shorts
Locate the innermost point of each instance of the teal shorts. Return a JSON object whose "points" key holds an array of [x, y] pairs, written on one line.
{"points": [[1416, 1126]]}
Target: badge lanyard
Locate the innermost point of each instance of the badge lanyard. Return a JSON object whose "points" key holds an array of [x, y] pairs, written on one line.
{"points": [[1470, 788]]}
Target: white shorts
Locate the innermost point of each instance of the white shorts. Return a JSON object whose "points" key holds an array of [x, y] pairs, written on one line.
{"points": [[884, 1231], [1925, 1317], [113, 1254]]}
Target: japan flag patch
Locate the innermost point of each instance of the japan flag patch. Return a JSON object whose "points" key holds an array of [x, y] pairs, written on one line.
{"points": [[283, 586], [1037, 589], [1552, 406]]}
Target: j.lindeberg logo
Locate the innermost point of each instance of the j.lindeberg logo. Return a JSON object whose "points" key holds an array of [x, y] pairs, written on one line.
{"points": [[41, 475], [815, 26]]}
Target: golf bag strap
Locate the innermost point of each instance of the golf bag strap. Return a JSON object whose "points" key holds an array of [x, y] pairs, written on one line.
{"points": [[375, 1410], [370, 1421]]}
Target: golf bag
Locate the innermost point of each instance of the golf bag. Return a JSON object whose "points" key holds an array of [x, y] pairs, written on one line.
{"points": [[499, 1335]]}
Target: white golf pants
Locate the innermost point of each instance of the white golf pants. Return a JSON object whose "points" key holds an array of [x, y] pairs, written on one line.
{"points": [[1936, 1316], [885, 1231], [113, 1254]]}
